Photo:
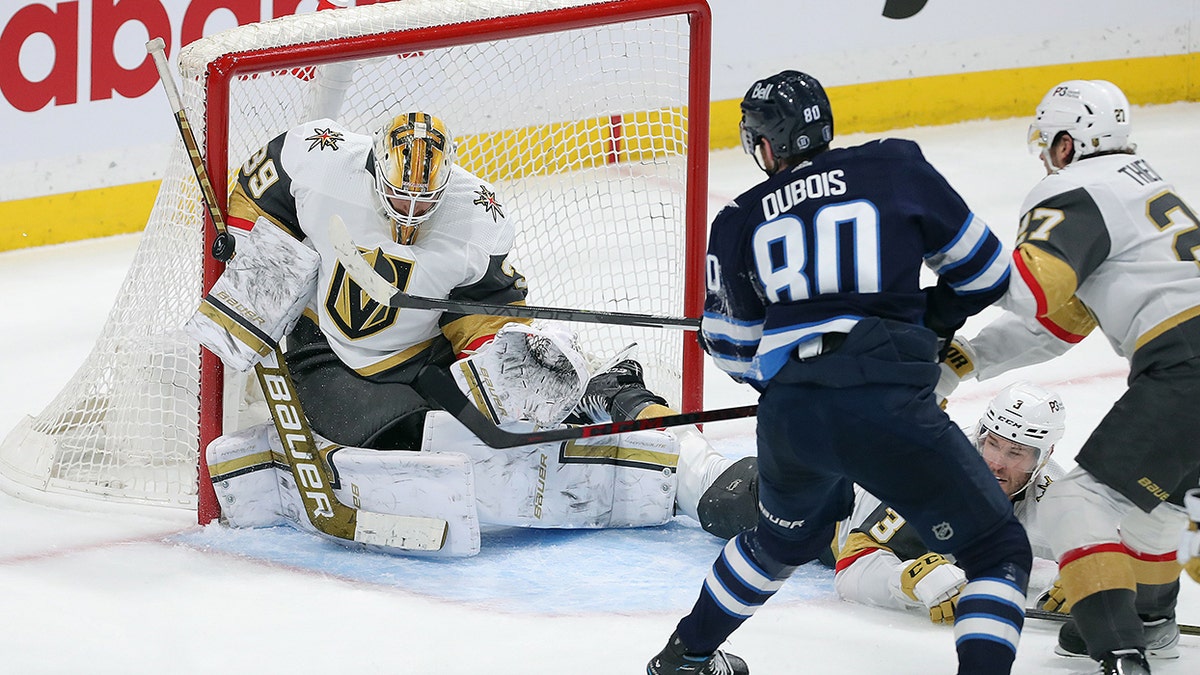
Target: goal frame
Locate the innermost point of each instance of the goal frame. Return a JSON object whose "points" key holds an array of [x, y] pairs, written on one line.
{"points": [[225, 69]]}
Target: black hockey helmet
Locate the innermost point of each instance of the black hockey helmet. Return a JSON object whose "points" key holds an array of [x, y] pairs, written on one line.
{"points": [[791, 111]]}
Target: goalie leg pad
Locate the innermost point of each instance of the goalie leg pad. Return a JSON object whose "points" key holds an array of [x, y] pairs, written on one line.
{"points": [[419, 484], [627, 480], [525, 373], [258, 297], [255, 487], [243, 476]]}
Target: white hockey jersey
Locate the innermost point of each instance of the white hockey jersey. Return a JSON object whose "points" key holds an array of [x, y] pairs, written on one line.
{"points": [[875, 539], [1107, 240], [319, 169]]}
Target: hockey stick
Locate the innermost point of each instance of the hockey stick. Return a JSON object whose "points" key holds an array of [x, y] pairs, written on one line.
{"points": [[324, 511], [223, 245], [1032, 613], [437, 385], [382, 291]]}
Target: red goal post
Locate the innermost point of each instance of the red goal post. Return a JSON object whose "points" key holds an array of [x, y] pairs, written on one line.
{"points": [[591, 118]]}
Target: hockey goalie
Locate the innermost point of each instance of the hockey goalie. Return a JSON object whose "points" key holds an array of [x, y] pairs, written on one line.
{"points": [[431, 228]]}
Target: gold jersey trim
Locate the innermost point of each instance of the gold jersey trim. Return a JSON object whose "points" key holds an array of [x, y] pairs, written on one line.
{"points": [[1097, 572]]}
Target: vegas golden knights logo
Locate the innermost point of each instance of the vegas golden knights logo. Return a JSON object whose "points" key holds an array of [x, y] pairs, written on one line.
{"points": [[352, 310]]}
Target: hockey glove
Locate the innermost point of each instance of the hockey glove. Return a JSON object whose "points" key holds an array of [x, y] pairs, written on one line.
{"points": [[258, 298], [958, 365], [525, 373], [932, 581], [1055, 599], [1189, 542]]}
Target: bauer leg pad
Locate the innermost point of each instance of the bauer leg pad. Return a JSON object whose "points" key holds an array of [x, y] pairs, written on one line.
{"points": [[255, 487], [625, 480]]}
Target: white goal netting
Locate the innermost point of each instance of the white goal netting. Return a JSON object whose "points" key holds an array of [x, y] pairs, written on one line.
{"points": [[578, 111]]}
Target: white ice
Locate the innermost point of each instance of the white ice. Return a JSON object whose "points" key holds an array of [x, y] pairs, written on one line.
{"points": [[87, 592]]}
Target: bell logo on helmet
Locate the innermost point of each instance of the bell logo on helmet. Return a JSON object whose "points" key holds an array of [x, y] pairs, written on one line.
{"points": [[761, 91], [791, 113]]}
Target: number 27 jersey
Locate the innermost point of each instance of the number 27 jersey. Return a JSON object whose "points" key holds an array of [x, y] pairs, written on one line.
{"points": [[816, 248]]}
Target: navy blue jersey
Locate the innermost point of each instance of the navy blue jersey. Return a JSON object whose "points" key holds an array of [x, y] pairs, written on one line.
{"points": [[816, 248]]}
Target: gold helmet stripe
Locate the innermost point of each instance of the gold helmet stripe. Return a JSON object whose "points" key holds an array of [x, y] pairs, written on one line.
{"points": [[422, 145]]}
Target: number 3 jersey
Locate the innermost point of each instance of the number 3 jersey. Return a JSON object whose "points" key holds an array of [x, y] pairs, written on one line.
{"points": [[875, 539], [319, 169], [818, 247], [1107, 240]]}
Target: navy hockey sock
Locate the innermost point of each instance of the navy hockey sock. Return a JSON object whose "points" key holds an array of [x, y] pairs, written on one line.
{"points": [[742, 578]]}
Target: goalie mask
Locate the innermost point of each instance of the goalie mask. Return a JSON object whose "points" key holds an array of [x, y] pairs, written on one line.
{"points": [[1018, 433], [1095, 113], [413, 155], [791, 112]]}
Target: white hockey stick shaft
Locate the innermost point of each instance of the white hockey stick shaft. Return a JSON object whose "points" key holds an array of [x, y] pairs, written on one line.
{"points": [[382, 291]]}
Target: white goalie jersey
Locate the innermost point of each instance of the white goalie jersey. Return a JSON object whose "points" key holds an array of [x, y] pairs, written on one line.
{"points": [[320, 169]]}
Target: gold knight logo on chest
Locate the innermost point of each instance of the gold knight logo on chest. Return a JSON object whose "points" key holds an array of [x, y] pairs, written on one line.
{"points": [[354, 312]]}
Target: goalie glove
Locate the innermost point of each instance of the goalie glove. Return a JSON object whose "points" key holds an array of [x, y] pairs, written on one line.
{"points": [[1055, 599], [932, 581], [1189, 543], [957, 365], [525, 373], [258, 298]]}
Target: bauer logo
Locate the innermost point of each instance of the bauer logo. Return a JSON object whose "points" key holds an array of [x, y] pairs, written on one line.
{"points": [[779, 522]]}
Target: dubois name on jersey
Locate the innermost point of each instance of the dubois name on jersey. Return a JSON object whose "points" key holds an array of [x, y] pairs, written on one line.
{"points": [[840, 232]]}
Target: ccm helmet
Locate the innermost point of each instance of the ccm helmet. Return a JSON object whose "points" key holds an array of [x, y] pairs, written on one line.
{"points": [[1027, 414], [413, 155], [1094, 112], [791, 112]]}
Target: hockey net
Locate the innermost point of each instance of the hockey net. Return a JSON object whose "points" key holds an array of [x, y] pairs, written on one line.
{"points": [[589, 117]]}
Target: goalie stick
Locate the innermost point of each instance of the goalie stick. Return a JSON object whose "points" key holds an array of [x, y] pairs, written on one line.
{"points": [[1032, 613], [437, 385], [328, 515], [224, 245], [382, 291]]}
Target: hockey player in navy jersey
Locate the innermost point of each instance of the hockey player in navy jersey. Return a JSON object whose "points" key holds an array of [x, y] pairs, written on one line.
{"points": [[1105, 241], [814, 298]]}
